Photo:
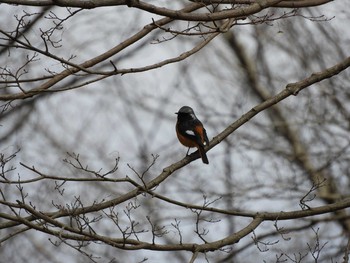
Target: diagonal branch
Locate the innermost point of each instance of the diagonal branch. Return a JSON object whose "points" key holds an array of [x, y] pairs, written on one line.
{"points": [[291, 89], [96, 60]]}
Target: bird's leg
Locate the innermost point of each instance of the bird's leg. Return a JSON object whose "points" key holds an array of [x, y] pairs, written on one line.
{"points": [[188, 151]]}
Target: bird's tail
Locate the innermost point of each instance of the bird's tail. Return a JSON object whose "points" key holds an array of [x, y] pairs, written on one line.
{"points": [[203, 155]]}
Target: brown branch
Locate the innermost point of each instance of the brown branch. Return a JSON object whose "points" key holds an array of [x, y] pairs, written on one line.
{"points": [[265, 215], [291, 89], [176, 59], [72, 233], [252, 8], [30, 25], [242, 12], [347, 252], [183, 14], [27, 46], [94, 61], [42, 176], [282, 4], [68, 3], [328, 192]]}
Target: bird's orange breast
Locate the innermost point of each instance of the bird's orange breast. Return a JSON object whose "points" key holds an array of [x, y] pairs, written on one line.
{"points": [[184, 140]]}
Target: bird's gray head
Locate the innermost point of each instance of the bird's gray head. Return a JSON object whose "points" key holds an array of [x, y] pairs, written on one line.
{"points": [[186, 111]]}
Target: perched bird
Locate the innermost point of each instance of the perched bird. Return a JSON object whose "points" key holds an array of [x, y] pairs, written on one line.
{"points": [[190, 131]]}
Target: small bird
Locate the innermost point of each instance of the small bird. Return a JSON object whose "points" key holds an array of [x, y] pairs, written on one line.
{"points": [[190, 131]]}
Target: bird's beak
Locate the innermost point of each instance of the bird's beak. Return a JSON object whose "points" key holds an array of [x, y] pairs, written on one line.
{"points": [[176, 113]]}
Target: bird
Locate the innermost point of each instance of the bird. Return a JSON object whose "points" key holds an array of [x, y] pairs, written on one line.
{"points": [[190, 131]]}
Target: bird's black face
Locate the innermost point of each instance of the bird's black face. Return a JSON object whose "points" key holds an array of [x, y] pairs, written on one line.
{"points": [[185, 112]]}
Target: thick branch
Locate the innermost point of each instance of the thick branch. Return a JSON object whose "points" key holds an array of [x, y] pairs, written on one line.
{"points": [[94, 61], [241, 12], [130, 244], [284, 4], [291, 89], [88, 4]]}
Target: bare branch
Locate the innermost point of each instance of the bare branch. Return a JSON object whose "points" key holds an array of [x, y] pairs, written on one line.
{"points": [[291, 89], [254, 6]]}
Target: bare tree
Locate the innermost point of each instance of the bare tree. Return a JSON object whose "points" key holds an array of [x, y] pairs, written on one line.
{"points": [[88, 165]]}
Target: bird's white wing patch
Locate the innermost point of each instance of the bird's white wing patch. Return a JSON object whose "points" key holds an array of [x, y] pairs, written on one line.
{"points": [[190, 132]]}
